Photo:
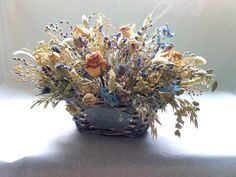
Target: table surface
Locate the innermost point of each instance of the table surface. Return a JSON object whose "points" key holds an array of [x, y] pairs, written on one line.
{"points": [[40, 143]]}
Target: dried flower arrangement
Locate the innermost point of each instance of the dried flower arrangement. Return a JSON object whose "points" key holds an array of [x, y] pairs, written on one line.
{"points": [[89, 66]]}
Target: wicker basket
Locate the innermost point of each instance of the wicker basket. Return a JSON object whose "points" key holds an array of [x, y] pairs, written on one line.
{"points": [[112, 121]]}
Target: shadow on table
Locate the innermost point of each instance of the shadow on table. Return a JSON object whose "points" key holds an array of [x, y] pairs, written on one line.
{"points": [[87, 155], [97, 149]]}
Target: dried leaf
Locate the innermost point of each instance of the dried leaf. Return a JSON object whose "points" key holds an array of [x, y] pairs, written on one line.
{"points": [[214, 86], [196, 123], [34, 104], [178, 126], [46, 103], [167, 96], [195, 103], [209, 71], [180, 120], [180, 92], [147, 21], [54, 104], [177, 133], [85, 21]]}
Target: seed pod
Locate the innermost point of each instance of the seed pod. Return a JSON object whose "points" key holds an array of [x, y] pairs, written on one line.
{"points": [[214, 86], [55, 49], [121, 69], [180, 92], [195, 103], [46, 90]]}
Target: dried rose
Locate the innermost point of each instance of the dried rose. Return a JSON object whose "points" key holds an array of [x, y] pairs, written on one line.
{"points": [[80, 30], [126, 31], [95, 64], [171, 54]]}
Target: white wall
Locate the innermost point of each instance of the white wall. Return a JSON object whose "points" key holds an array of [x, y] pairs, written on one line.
{"points": [[205, 27]]}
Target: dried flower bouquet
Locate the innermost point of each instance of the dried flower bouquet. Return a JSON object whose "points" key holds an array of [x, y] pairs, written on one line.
{"points": [[87, 66]]}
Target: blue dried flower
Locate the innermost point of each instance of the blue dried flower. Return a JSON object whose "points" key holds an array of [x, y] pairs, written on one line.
{"points": [[46, 90], [174, 87], [109, 44], [159, 40], [139, 62], [127, 50], [61, 66], [121, 69], [72, 90], [117, 36], [109, 97], [71, 100], [85, 43], [163, 44], [144, 74], [166, 31], [45, 70], [55, 48], [81, 42], [139, 33], [100, 28]]}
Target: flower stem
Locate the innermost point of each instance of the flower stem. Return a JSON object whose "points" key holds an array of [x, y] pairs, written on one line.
{"points": [[103, 83]]}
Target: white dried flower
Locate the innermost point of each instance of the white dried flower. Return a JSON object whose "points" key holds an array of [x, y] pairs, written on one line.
{"points": [[147, 21], [85, 21], [197, 60], [159, 60], [111, 82]]}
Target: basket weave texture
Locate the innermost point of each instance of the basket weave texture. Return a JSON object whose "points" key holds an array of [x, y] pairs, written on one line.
{"points": [[112, 121]]}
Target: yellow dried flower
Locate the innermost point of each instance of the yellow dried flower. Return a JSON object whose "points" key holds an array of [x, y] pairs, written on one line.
{"points": [[111, 82], [89, 88], [141, 85], [66, 57], [73, 110], [196, 60], [85, 21], [89, 99], [154, 78], [54, 58], [80, 30]]}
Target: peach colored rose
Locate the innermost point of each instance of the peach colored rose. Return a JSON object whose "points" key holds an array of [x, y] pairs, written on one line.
{"points": [[126, 31], [80, 30], [171, 55], [95, 64]]}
